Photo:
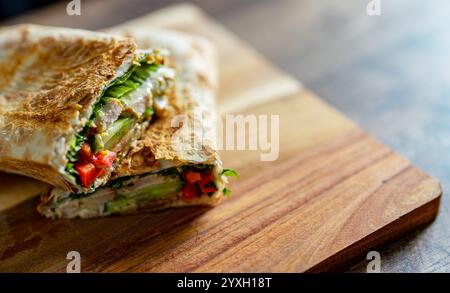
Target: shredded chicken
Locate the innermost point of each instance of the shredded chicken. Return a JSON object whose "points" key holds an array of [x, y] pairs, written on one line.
{"points": [[110, 113]]}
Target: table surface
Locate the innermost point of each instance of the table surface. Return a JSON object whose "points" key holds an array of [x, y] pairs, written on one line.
{"points": [[389, 73]]}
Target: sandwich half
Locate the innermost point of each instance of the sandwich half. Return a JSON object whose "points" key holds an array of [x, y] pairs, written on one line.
{"points": [[175, 163], [72, 101]]}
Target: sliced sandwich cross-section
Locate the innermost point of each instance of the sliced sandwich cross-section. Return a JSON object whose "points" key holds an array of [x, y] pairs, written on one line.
{"points": [[163, 169], [123, 111], [72, 102]]}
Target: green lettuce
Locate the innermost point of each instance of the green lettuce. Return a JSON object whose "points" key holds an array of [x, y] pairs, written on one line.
{"points": [[118, 88], [230, 173]]}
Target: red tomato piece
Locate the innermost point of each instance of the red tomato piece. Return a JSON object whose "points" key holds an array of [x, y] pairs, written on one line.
{"points": [[209, 189], [99, 172], [86, 152], [207, 180], [104, 159], [189, 191], [192, 177], [206, 177], [87, 173]]}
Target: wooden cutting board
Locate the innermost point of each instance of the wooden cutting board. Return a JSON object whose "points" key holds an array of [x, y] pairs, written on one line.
{"points": [[334, 193]]}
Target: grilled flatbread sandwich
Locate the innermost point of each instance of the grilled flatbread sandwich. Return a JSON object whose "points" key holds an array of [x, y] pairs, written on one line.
{"points": [[175, 163], [73, 101]]}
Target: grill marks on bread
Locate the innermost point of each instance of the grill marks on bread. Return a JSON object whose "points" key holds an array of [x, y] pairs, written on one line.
{"points": [[46, 81]]}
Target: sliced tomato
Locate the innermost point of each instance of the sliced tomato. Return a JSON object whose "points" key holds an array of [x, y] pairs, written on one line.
{"points": [[189, 191], [87, 173], [86, 152], [206, 177], [104, 159], [90, 166], [192, 177], [100, 172], [209, 189], [206, 184]]}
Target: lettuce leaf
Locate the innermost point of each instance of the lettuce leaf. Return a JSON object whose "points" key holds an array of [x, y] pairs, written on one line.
{"points": [[230, 173], [136, 76]]}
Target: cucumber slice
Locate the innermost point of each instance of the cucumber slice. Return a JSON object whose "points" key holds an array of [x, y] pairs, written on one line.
{"points": [[142, 194], [98, 144], [116, 131]]}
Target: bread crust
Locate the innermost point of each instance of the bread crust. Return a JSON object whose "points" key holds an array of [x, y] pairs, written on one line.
{"points": [[50, 78], [192, 116]]}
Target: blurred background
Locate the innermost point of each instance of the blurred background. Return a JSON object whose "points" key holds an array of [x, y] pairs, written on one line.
{"points": [[12, 8], [390, 73]]}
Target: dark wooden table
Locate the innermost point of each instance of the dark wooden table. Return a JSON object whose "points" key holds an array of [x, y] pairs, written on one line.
{"points": [[390, 73]]}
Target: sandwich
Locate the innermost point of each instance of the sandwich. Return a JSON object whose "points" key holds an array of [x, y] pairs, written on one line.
{"points": [[73, 101], [175, 162]]}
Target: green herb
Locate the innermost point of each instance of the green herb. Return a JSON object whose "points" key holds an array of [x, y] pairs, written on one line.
{"points": [[75, 145], [230, 173], [72, 154], [226, 192], [148, 112]]}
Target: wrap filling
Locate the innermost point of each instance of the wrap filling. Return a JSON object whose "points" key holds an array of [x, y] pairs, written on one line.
{"points": [[127, 194], [125, 107]]}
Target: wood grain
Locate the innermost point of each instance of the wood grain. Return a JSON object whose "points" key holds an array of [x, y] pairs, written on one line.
{"points": [[333, 194]]}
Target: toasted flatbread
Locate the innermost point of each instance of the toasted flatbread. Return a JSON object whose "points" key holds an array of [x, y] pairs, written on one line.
{"points": [[51, 79], [193, 101], [164, 152]]}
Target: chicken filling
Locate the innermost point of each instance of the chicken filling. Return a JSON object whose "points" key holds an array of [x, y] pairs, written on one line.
{"points": [[125, 106]]}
